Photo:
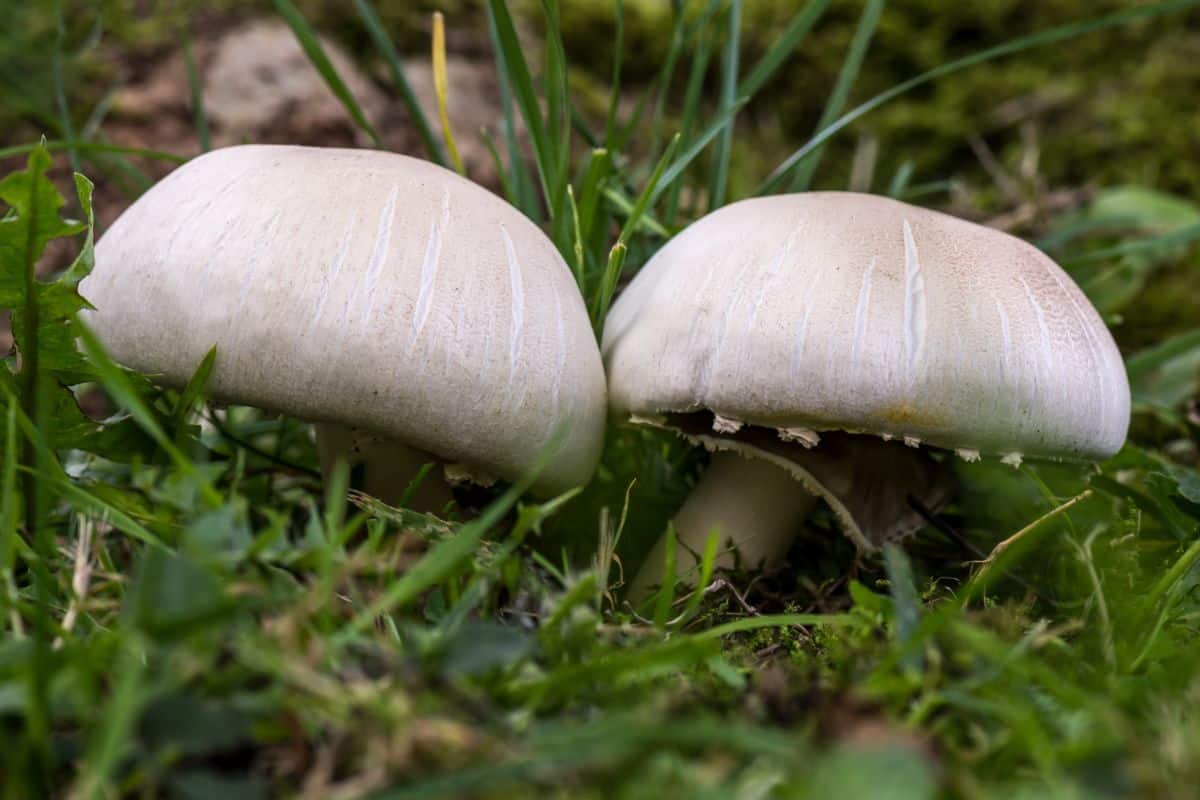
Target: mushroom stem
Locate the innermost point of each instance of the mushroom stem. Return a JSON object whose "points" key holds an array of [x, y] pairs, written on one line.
{"points": [[754, 506], [388, 467]]}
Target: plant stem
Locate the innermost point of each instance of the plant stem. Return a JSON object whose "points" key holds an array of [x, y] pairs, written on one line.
{"points": [[31, 402]]}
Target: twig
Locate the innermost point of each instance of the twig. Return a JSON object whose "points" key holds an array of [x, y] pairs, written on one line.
{"points": [[81, 576], [983, 576], [721, 583], [14, 614], [951, 533]]}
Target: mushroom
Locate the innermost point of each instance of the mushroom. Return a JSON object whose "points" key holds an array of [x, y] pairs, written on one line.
{"points": [[408, 311], [815, 342]]}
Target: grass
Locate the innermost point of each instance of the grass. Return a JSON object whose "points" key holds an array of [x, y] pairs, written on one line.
{"points": [[188, 611]]}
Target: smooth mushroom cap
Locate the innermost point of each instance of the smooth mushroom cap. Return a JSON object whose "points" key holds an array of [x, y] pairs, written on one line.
{"points": [[833, 310], [363, 288]]}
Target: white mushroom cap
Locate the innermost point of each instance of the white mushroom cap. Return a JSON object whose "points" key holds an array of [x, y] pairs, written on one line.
{"points": [[363, 288], [833, 310]]}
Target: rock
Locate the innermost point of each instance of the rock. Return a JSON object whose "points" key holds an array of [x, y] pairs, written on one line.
{"points": [[261, 87]]}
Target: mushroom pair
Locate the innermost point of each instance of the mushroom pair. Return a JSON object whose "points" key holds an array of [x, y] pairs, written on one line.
{"points": [[820, 343], [817, 343], [410, 313]]}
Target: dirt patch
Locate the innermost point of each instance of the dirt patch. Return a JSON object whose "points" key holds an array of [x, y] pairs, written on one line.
{"points": [[260, 87]]}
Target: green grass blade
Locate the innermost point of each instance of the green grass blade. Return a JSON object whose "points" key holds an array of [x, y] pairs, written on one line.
{"points": [[506, 184], [1154, 357], [718, 184], [708, 563], [691, 102], [1040, 39], [633, 125], [666, 592], [774, 621], [560, 751], [116, 164], [1175, 238], [900, 180], [598, 168], [312, 48], [1015, 547], [650, 192], [722, 123], [616, 261], [608, 285], [196, 92], [584, 129], [558, 118], [509, 51], [91, 126], [60, 89], [57, 145], [1173, 575], [1166, 374], [919, 190], [193, 392], [8, 487], [802, 178], [779, 52], [617, 665], [115, 382], [523, 181], [614, 88], [647, 223], [578, 264], [383, 44], [906, 604], [115, 733], [436, 565], [662, 82], [79, 498], [126, 396]]}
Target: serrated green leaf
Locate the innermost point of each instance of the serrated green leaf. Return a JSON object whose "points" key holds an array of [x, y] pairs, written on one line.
{"points": [[32, 221], [85, 260]]}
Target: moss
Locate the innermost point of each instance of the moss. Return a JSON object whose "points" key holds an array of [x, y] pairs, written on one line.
{"points": [[1111, 107]]}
